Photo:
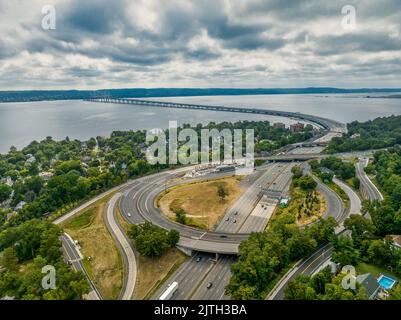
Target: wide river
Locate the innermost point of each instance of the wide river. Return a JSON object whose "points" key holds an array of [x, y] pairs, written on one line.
{"points": [[21, 123]]}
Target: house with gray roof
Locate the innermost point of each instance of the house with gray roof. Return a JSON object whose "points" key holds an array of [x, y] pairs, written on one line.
{"points": [[370, 284]]}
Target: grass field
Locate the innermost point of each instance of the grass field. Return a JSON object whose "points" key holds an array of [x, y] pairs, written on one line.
{"points": [[152, 272], [375, 271], [105, 266], [200, 201]]}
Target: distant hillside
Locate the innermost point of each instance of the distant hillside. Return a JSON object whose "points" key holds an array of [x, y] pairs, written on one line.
{"points": [[42, 95]]}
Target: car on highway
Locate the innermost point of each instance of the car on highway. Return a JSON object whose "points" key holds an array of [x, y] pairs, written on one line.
{"points": [[228, 219], [235, 213], [234, 221], [223, 236], [198, 259], [129, 214], [209, 285]]}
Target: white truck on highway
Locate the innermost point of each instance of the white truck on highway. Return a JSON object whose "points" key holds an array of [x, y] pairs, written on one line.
{"points": [[172, 288]]}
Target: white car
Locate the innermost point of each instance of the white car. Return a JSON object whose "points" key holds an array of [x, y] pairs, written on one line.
{"points": [[129, 214]]}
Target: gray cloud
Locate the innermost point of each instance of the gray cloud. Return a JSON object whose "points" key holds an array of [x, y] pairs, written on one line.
{"points": [[203, 43]]}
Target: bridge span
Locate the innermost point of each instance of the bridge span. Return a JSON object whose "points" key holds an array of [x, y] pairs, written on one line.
{"points": [[327, 124]]}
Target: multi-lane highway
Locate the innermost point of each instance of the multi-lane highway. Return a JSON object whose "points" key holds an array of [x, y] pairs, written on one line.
{"points": [[368, 188], [189, 275], [276, 176]]}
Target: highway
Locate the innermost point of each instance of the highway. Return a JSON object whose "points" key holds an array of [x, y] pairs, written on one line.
{"points": [[276, 176], [355, 201], [273, 188], [125, 248], [219, 276], [73, 256], [369, 190], [306, 150], [188, 276]]}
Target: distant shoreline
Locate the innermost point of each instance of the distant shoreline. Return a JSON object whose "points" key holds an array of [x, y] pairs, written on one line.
{"points": [[393, 96], [55, 95]]}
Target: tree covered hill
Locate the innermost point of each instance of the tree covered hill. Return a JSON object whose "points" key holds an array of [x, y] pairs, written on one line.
{"points": [[373, 134]]}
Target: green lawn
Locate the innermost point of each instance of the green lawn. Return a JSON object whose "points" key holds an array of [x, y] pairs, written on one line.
{"points": [[82, 221], [375, 270]]}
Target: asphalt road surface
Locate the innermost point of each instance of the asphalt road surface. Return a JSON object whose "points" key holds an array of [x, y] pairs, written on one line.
{"points": [[125, 248], [73, 257], [368, 186]]}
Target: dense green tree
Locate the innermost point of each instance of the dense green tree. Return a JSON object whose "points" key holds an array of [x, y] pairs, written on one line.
{"points": [[299, 289], [5, 192], [344, 251], [319, 281], [379, 133], [361, 228], [307, 183], [381, 252], [9, 259], [173, 238], [151, 240]]}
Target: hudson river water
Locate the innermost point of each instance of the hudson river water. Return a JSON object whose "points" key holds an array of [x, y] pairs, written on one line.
{"points": [[21, 123]]}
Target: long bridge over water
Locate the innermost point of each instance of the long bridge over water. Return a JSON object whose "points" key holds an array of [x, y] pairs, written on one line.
{"points": [[327, 124]]}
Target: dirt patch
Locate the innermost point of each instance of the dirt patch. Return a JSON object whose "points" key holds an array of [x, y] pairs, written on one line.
{"points": [[201, 201]]}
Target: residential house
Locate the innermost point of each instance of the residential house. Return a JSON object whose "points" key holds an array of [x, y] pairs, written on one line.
{"points": [[370, 284], [396, 240]]}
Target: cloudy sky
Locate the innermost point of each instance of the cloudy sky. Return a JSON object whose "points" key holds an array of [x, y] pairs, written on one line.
{"points": [[174, 43]]}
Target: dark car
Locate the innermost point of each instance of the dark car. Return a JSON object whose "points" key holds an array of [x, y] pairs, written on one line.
{"points": [[198, 259], [223, 236], [209, 285]]}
